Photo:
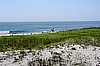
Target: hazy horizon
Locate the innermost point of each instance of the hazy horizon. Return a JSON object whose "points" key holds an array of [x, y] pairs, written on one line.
{"points": [[52, 21], [49, 10]]}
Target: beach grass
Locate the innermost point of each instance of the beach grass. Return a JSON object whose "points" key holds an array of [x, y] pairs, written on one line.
{"points": [[88, 36]]}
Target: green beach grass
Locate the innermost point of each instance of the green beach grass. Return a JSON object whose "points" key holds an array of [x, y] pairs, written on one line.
{"points": [[88, 36]]}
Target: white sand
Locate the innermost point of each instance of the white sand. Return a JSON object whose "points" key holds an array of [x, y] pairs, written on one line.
{"points": [[70, 55]]}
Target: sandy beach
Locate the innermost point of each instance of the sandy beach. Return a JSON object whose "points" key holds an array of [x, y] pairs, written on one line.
{"points": [[59, 55]]}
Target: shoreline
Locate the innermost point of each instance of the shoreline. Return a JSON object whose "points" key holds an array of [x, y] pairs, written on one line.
{"points": [[90, 36], [74, 47], [43, 32]]}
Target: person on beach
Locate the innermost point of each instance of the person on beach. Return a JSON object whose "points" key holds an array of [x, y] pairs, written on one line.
{"points": [[53, 29]]}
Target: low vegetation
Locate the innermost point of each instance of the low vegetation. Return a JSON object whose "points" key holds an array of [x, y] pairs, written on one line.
{"points": [[89, 36]]}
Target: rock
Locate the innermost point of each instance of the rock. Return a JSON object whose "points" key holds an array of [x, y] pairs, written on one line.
{"points": [[73, 48]]}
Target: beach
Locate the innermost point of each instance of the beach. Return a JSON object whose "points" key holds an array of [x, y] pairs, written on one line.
{"points": [[59, 55], [79, 47], [49, 32]]}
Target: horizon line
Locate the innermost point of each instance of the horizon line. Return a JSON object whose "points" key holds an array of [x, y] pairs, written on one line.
{"points": [[52, 21]]}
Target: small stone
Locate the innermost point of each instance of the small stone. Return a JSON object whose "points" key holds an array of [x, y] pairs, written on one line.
{"points": [[73, 48]]}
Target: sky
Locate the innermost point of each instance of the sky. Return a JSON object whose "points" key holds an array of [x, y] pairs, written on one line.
{"points": [[49, 10]]}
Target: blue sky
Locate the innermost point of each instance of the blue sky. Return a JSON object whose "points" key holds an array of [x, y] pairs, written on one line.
{"points": [[49, 10]]}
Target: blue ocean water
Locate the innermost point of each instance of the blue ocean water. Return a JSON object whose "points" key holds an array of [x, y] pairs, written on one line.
{"points": [[27, 27]]}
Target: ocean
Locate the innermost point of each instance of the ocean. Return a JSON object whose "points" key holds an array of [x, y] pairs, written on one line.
{"points": [[33, 27]]}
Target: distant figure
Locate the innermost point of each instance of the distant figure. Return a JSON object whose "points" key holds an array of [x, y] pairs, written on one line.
{"points": [[67, 28], [53, 29]]}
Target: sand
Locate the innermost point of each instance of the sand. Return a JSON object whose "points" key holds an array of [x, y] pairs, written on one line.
{"points": [[59, 55]]}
